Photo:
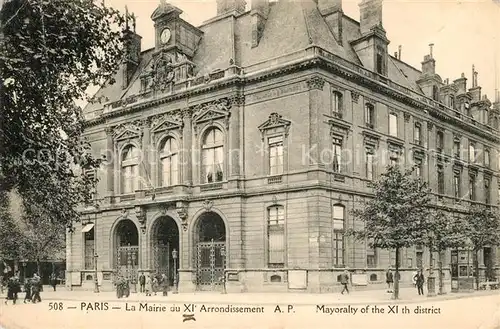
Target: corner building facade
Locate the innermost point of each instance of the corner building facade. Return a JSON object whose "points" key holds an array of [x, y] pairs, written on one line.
{"points": [[241, 146]]}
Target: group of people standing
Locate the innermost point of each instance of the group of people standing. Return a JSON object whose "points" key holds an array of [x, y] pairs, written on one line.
{"points": [[32, 288], [152, 284], [418, 280]]}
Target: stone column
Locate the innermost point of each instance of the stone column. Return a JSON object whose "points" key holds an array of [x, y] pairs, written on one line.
{"points": [[236, 102], [145, 170], [316, 105], [187, 148], [116, 171], [110, 163]]}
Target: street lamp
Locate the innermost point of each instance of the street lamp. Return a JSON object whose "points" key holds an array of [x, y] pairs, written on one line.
{"points": [[174, 256], [223, 255], [96, 282]]}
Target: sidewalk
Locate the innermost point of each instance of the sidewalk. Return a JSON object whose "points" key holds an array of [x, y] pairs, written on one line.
{"points": [[406, 295]]}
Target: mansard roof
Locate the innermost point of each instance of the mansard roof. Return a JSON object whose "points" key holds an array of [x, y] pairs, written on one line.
{"points": [[291, 27]]}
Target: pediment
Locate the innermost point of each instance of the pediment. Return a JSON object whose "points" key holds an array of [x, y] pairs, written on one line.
{"points": [[211, 111], [165, 124], [274, 121], [126, 132]]}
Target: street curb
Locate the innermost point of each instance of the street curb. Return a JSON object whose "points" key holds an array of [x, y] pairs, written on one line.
{"points": [[437, 298]]}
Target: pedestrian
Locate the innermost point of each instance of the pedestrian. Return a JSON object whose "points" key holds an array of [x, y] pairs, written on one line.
{"points": [[155, 285], [149, 285], [142, 282], [414, 278], [27, 290], [36, 288], [13, 288], [420, 282], [53, 280], [389, 279], [164, 284], [344, 280]]}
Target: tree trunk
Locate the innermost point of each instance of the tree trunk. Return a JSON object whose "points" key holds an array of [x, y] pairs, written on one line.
{"points": [[396, 276], [440, 271], [476, 267], [38, 269]]}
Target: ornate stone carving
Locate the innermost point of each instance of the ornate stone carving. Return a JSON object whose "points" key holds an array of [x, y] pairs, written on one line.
{"points": [[182, 213], [316, 82], [430, 125], [275, 121], [186, 113], [207, 205], [127, 131], [237, 100], [108, 130], [163, 72], [140, 213], [167, 121], [355, 96], [210, 112], [124, 213], [275, 199], [407, 117]]}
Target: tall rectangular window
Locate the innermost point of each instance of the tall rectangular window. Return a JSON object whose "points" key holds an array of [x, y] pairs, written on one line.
{"points": [[276, 155], [276, 236], [369, 164], [472, 187], [487, 191], [380, 64], [338, 235], [369, 115], [440, 173], [337, 104], [371, 255], [417, 134], [418, 167], [456, 184], [393, 124], [440, 141], [472, 152], [337, 154], [487, 158], [456, 149], [89, 249]]}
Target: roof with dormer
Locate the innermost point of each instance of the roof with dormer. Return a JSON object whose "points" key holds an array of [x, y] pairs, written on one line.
{"points": [[290, 28]]}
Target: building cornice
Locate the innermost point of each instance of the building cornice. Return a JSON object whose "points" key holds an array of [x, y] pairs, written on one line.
{"points": [[317, 57]]}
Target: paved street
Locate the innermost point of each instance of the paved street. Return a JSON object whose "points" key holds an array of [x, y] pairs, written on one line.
{"points": [[476, 310]]}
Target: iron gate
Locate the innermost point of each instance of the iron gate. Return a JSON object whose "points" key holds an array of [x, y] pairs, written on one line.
{"points": [[127, 262], [210, 264], [161, 259]]}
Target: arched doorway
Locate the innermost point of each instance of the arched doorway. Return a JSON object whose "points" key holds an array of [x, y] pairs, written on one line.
{"points": [[210, 242], [164, 240], [126, 241]]}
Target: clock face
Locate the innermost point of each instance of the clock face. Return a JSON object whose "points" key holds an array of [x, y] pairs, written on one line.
{"points": [[165, 36]]}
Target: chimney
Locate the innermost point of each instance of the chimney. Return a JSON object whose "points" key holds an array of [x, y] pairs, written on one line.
{"points": [[399, 51], [327, 7], [132, 50], [259, 13], [475, 90], [371, 15], [461, 83], [230, 6], [428, 65]]}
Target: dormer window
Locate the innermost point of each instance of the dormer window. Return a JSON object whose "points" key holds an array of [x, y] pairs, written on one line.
{"points": [[451, 101], [435, 93], [379, 64], [467, 108]]}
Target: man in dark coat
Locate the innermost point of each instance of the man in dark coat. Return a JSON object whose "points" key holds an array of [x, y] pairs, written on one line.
{"points": [[13, 288], [142, 282], [389, 279], [420, 279], [36, 287], [27, 290], [53, 280], [344, 280]]}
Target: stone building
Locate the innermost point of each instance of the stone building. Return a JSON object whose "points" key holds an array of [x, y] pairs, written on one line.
{"points": [[243, 144]]}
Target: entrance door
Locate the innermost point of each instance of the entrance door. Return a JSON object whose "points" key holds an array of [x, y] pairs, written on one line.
{"points": [[210, 269], [161, 259], [210, 253], [127, 250], [488, 263]]}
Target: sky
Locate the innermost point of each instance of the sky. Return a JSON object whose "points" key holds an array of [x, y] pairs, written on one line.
{"points": [[464, 33]]}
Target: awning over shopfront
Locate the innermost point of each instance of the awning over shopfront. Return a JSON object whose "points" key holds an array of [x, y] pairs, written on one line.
{"points": [[87, 228]]}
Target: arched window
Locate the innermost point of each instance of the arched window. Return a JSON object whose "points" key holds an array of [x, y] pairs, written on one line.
{"points": [[435, 93], [130, 169], [338, 235], [169, 162], [276, 235], [417, 134], [213, 156]]}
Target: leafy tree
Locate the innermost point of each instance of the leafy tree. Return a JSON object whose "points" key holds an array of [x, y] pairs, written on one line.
{"points": [[52, 51], [483, 229], [10, 234], [443, 231], [394, 217]]}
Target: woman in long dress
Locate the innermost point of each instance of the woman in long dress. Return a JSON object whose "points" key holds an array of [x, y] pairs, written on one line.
{"points": [[149, 285]]}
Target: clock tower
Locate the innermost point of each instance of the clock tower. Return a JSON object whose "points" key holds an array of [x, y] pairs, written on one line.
{"points": [[176, 42]]}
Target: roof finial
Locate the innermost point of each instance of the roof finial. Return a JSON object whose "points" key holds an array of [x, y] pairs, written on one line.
{"points": [[126, 18], [474, 76], [431, 45]]}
